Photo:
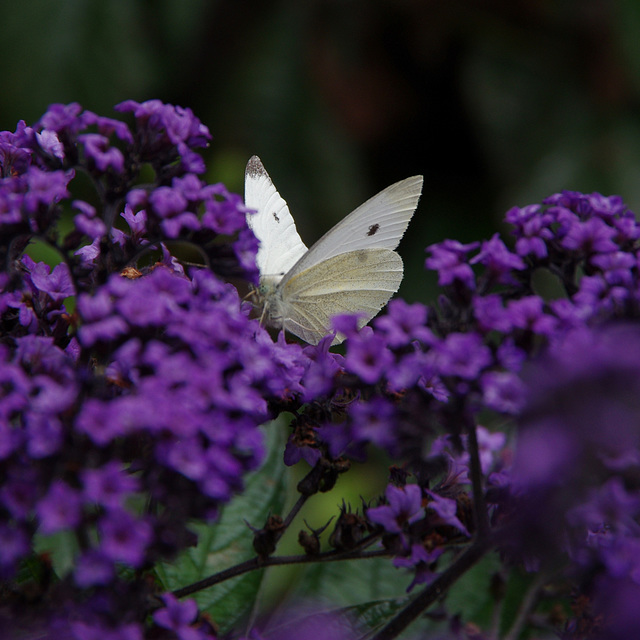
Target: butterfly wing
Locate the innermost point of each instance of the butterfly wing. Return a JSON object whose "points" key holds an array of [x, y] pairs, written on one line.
{"points": [[378, 223], [273, 225], [360, 281]]}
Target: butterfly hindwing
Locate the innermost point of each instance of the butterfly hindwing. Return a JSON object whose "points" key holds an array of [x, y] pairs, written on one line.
{"points": [[356, 282]]}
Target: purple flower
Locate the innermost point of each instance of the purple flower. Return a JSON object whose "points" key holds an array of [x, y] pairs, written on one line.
{"points": [[109, 485], [103, 155], [14, 545], [367, 357], [404, 507], [49, 397], [50, 143], [174, 226], [141, 304], [617, 267], [462, 355], [404, 323], [178, 617], [56, 283], [490, 446], [39, 355], [531, 229], [188, 457], [104, 329], [611, 505], [627, 229], [92, 227], [544, 456], [246, 250], [591, 236], [15, 156], [63, 117], [502, 391], [108, 126], [99, 421], [45, 188], [606, 207], [45, 434], [528, 313], [224, 211], [19, 492], [446, 509], [92, 569], [449, 259], [302, 445], [498, 260], [411, 368], [124, 538], [491, 314], [170, 128], [422, 561], [374, 421], [167, 202], [60, 509], [90, 252], [155, 385]]}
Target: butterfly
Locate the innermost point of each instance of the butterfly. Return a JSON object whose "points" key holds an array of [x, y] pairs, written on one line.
{"points": [[352, 269]]}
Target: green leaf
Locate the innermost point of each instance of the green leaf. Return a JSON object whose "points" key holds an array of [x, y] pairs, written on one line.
{"points": [[471, 596], [372, 592], [229, 541], [374, 615], [60, 547], [353, 582], [369, 592]]}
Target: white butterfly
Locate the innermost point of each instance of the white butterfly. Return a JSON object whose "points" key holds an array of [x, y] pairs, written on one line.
{"points": [[353, 268]]}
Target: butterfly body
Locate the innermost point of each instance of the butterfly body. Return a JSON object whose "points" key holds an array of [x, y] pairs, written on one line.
{"points": [[353, 268]]}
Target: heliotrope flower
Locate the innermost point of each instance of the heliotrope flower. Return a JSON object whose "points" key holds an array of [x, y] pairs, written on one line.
{"points": [[404, 506], [449, 259]]}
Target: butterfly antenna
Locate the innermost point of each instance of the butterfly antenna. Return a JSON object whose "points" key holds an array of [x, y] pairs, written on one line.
{"points": [[263, 315], [250, 294]]}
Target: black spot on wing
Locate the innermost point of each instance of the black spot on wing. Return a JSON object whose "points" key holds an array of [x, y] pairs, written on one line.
{"points": [[275, 216], [373, 229]]}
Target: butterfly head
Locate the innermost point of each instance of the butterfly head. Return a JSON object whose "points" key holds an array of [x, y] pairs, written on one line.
{"points": [[266, 298]]}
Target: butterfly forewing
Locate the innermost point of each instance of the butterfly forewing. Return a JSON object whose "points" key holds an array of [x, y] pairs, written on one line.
{"points": [[280, 245], [378, 223], [360, 282]]}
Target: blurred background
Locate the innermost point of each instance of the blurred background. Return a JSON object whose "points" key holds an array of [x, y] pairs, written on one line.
{"points": [[497, 102]]}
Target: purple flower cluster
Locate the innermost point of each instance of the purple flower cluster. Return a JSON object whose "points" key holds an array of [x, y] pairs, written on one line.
{"points": [[135, 410], [423, 372]]}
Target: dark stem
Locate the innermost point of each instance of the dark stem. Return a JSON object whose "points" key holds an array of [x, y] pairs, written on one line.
{"points": [[258, 563], [479, 505], [261, 562], [434, 591]]}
